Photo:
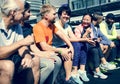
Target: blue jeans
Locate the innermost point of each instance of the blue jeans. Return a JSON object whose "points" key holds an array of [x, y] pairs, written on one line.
{"points": [[49, 69], [80, 54]]}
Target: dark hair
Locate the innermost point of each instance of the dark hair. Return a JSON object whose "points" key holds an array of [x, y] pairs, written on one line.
{"points": [[110, 16], [98, 13], [94, 18], [89, 15], [64, 7], [26, 6]]}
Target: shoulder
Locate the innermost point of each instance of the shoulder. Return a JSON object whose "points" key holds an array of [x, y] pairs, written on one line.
{"points": [[37, 25], [79, 27]]}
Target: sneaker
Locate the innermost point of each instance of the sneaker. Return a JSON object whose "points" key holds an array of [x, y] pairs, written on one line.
{"points": [[100, 75], [70, 81], [117, 59], [114, 63], [108, 66], [77, 79], [83, 75]]}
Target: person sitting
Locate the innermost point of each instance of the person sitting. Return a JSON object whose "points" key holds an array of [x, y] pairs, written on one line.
{"points": [[46, 58], [85, 30], [78, 43], [43, 33], [108, 28], [14, 54]]}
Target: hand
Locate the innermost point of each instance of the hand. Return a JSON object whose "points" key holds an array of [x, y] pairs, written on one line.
{"points": [[112, 45], [88, 30], [71, 52], [65, 53], [118, 37], [99, 39], [90, 41], [104, 48], [27, 61], [87, 33], [45, 54]]}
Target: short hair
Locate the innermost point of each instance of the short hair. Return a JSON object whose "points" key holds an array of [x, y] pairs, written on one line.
{"points": [[64, 7], [99, 16], [26, 6], [110, 16], [88, 15], [46, 9], [7, 6]]}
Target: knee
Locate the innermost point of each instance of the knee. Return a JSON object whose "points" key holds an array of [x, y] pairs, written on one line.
{"points": [[7, 68], [58, 61], [49, 65], [36, 62], [94, 51]]}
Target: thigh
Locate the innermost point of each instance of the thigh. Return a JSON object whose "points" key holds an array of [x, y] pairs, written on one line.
{"points": [[44, 62], [6, 64], [36, 62]]}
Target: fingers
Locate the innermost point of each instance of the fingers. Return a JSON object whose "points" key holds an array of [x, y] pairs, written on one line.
{"points": [[26, 63]]}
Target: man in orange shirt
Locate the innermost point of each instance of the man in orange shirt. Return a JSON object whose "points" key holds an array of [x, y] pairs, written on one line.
{"points": [[43, 33]]}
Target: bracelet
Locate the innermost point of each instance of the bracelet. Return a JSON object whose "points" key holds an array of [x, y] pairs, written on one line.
{"points": [[60, 52]]}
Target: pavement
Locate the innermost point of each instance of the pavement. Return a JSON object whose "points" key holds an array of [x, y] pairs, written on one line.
{"points": [[113, 77]]}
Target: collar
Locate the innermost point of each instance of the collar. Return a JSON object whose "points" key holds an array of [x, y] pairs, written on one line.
{"points": [[2, 25]]}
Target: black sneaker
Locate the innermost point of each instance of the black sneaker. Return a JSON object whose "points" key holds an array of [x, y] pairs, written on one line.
{"points": [[70, 81]]}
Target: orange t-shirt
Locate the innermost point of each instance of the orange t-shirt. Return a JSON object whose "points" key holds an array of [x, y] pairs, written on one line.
{"points": [[44, 34]]}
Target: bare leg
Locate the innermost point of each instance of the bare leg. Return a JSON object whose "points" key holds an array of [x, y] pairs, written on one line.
{"points": [[36, 69], [68, 68], [74, 71], [103, 60], [6, 71], [82, 67], [97, 69]]}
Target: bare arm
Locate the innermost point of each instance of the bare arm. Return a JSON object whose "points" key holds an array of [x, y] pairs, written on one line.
{"points": [[66, 40], [44, 54], [73, 38], [47, 47], [6, 51]]}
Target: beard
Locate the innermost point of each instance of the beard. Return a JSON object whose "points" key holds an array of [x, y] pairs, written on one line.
{"points": [[52, 21]]}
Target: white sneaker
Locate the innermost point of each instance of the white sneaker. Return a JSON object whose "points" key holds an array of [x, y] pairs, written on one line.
{"points": [[108, 66], [100, 74], [76, 78], [83, 75]]}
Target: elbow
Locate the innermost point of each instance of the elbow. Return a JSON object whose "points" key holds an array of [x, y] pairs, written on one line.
{"points": [[43, 48], [3, 56]]}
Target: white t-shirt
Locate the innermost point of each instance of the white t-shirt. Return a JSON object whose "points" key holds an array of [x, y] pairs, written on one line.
{"points": [[13, 35]]}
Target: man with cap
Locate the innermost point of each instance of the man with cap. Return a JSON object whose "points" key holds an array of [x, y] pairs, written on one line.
{"points": [[108, 28]]}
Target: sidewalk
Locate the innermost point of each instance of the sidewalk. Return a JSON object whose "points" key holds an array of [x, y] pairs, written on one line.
{"points": [[113, 77]]}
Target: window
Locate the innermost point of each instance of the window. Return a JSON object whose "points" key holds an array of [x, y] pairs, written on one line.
{"points": [[78, 4]]}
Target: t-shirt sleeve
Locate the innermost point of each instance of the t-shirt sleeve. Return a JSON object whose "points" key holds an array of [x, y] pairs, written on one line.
{"points": [[20, 32], [39, 35], [55, 28]]}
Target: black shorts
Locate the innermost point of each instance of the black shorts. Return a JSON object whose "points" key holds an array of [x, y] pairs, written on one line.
{"points": [[16, 60]]}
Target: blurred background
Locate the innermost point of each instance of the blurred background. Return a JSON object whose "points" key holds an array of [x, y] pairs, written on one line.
{"points": [[79, 7]]}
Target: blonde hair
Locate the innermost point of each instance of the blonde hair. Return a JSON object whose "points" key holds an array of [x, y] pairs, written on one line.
{"points": [[100, 18], [7, 6], [46, 9]]}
